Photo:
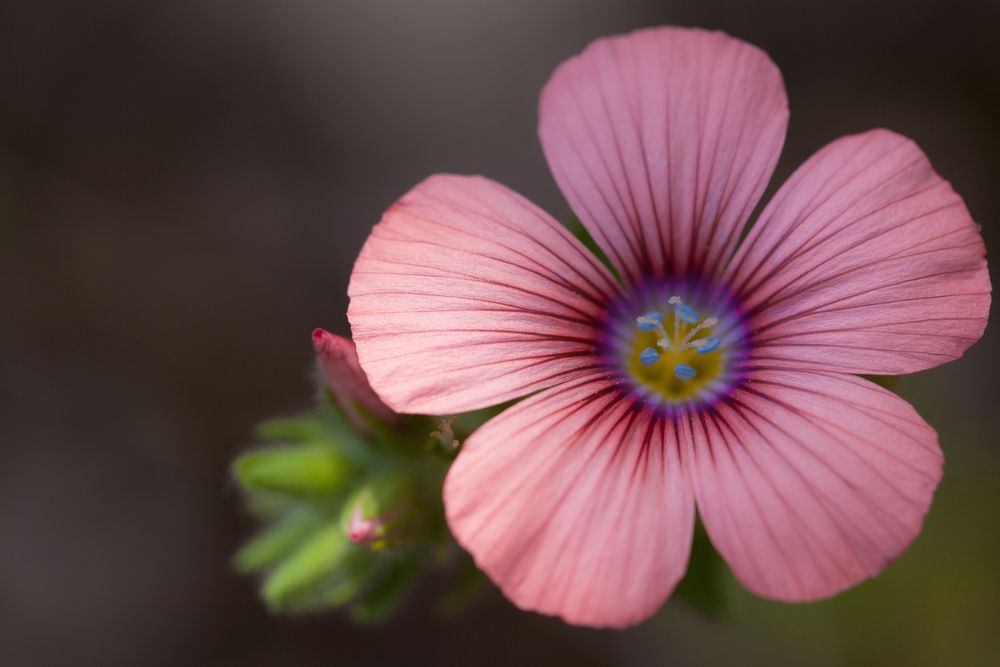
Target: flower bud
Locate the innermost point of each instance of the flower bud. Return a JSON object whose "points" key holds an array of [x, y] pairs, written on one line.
{"points": [[338, 363], [315, 560], [276, 541], [298, 469], [378, 512]]}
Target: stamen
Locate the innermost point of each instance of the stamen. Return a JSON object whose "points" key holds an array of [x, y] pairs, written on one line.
{"points": [[676, 351], [651, 321], [709, 322], [706, 344], [684, 372], [688, 314], [649, 356], [676, 302], [664, 343]]}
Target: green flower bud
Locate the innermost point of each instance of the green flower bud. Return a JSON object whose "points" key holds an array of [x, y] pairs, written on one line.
{"points": [[297, 469], [312, 563], [276, 541]]}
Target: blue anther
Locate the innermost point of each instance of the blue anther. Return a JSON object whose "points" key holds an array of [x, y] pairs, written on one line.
{"points": [[684, 372], [649, 326], [688, 314], [649, 356], [708, 344]]}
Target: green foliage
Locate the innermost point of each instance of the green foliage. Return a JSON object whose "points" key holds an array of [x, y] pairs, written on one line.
{"points": [[703, 585], [386, 593], [315, 473], [469, 582], [577, 229], [890, 382]]}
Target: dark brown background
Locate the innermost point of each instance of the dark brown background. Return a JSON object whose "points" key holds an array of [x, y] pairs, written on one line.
{"points": [[183, 188]]}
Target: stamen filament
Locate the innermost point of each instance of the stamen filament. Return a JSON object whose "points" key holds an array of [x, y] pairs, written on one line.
{"points": [[676, 302], [664, 343], [709, 322]]}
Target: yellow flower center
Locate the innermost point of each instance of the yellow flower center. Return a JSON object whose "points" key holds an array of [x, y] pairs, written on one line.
{"points": [[675, 353]]}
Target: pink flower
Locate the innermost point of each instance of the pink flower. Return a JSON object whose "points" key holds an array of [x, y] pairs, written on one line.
{"points": [[709, 372]]}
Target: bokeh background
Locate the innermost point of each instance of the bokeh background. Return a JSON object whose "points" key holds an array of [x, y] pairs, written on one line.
{"points": [[183, 188]]}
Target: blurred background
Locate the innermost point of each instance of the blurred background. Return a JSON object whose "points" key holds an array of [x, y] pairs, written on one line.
{"points": [[183, 189]]}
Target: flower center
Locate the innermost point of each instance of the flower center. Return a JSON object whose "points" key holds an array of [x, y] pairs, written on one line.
{"points": [[675, 351]]}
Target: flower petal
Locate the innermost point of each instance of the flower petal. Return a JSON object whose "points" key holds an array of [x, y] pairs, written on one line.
{"points": [[808, 483], [663, 140], [467, 295], [575, 504], [866, 261], [337, 359]]}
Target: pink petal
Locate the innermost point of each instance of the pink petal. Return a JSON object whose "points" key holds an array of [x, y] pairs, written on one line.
{"points": [[663, 140], [808, 483], [467, 295], [575, 504], [866, 261], [338, 362]]}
